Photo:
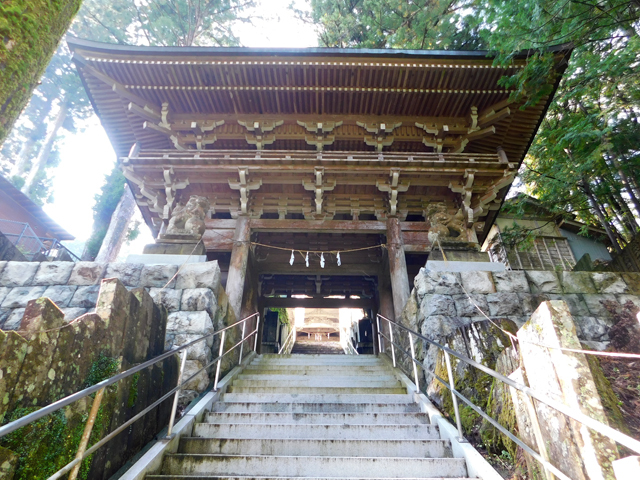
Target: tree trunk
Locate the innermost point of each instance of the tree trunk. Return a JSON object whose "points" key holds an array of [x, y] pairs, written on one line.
{"points": [[603, 221], [20, 164], [117, 231], [45, 151], [628, 186]]}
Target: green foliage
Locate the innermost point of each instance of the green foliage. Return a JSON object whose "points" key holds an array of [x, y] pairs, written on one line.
{"points": [[48, 444], [426, 24], [283, 315], [106, 203], [133, 390], [102, 368]]}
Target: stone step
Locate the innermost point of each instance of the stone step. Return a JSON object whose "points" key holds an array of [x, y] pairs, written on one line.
{"points": [[318, 390], [324, 432], [318, 448], [315, 370], [260, 398], [319, 360], [344, 376], [219, 477], [320, 418], [318, 381], [306, 466], [275, 407]]}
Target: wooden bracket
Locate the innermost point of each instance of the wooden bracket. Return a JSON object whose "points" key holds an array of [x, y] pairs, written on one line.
{"points": [[393, 188], [319, 187], [244, 186]]}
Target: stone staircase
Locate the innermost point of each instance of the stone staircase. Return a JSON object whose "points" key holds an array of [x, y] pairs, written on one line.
{"points": [[314, 417], [323, 347]]}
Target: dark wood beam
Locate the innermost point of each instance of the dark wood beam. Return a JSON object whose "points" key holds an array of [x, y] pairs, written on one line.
{"points": [[278, 302], [299, 268]]}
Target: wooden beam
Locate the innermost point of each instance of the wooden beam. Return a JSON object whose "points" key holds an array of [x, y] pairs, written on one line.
{"points": [[278, 302], [319, 226], [299, 268]]}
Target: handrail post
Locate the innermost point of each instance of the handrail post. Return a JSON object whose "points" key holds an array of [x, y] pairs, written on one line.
{"points": [[393, 349], [453, 397], [84, 441], [220, 350], [174, 408], [244, 328], [379, 334], [255, 340], [413, 360]]}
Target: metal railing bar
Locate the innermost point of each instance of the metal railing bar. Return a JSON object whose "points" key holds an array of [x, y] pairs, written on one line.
{"points": [[599, 427], [286, 342], [133, 419], [63, 402]]}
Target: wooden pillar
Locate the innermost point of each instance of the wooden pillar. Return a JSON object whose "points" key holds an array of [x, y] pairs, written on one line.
{"points": [[397, 267], [238, 264]]}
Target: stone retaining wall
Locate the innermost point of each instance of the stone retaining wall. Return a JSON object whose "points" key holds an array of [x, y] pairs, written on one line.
{"points": [[194, 299], [438, 303]]}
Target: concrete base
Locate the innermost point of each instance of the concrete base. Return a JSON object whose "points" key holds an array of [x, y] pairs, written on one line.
{"points": [[148, 259], [454, 266], [174, 248]]}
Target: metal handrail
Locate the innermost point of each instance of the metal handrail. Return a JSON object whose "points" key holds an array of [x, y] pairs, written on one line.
{"points": [[286, 342], [27, 419], [589, 422], [350, 347]]}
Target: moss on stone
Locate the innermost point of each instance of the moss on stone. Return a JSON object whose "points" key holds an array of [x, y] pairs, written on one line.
{"points": [[29, 34], [607, 395]]}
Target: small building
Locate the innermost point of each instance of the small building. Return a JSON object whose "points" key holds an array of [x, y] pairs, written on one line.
{"points": [[557, 243], [27, 233]]}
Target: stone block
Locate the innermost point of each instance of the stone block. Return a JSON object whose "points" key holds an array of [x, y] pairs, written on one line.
{"points": [[85, 297], [577, 306], [438, 305], [87, 273], [592, 329], [477, 282], [609, 282], [2, 265], [595, 304], [577, 282], [190, 322], [13, 320], [201, 381], [19, 296], [199, 275], [530, 302], [53, 273], [566, 375], [18, 274], [200, 351], [158, 275], [635, 299], [4, 291], [514, 281], [4, 313], [543, 281], [429, 282], [504, 304], [436, 327], [466, 307], [633, 282], [8, 463], [71, 313], [60, 294], [199, 299], [128, 273], [167, 297]]}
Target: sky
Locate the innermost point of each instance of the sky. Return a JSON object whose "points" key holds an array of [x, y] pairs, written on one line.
{"points": [[87, 156]]}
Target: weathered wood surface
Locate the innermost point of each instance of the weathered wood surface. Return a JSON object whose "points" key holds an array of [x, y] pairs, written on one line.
{"points": [[238, 265], [397, 267], [277, 302]]}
